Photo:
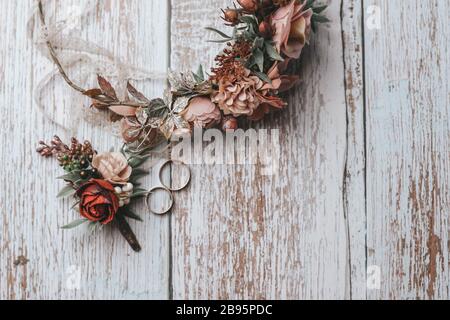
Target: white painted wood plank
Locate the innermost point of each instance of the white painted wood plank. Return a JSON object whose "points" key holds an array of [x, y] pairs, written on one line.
{"points": [[354, 174], [237, 234], [408, 141], [30, 213]]}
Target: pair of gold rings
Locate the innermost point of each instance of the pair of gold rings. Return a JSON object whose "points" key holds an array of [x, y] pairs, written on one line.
{"points": [[169, 190]]}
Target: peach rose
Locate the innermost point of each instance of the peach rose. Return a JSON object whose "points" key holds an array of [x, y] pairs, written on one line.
{"points": [[292, 27], [202, 113], [113, 166]]}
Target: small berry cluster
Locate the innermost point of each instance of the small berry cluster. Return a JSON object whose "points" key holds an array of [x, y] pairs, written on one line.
{"points": [[77, 157]]}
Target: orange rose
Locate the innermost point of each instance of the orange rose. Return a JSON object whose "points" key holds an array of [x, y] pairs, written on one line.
{"points": [[98, 202]]}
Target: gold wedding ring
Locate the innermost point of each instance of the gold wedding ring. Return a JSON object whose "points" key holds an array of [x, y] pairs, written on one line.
{"points": [[165, 210], [185, 183]]}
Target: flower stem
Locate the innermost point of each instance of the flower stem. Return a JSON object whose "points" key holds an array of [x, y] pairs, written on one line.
{"points": [[127, 233], [54, 56]]}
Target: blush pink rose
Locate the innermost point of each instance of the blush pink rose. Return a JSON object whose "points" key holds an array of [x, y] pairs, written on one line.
{"points": [[113, 166], [202, 113], [292, 28]]}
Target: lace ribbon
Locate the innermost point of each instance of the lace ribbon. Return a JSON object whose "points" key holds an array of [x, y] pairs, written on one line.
{"points": [[76, 53]]}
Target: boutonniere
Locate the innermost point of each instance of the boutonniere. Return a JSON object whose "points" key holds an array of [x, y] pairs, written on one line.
{"points": [[103, 185]]}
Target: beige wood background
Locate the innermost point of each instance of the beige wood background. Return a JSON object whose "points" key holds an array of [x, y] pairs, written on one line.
{"points": [[357, 210]]}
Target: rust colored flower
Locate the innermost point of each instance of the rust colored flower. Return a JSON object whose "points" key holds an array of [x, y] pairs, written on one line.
{"points": [[229, 63], [98, 202], [268, 94], [202, 113], [113, 166], [292, 28]]}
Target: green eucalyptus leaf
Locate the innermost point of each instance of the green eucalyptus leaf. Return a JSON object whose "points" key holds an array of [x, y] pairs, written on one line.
{"points": [[219, 41], [248, 19], [258, 43], [130, 214], [66, 191], [139, 173], [320, 19], [136, 161], [139, 193], [200, 75], [319, 9], [72, 177], [258, 55], [74, 224], [220, 33], [272, 52]]}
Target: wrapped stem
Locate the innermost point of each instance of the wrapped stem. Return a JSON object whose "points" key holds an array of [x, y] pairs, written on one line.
{"points": [[127, 233]]}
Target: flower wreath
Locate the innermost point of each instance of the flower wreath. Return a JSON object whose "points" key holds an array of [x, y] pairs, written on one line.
{"points": [[246, 81]]}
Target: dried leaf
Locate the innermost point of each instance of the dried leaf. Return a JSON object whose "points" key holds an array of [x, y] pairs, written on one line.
{"points": [[99, 105], [141, 115], [124, 111], [66, 191], [93, 93], [114, 117], [167, 128], [180, 104], [138, 95], [107, 88], [179, 122]]}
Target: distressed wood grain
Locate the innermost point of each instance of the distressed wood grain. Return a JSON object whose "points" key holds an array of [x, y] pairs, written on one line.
{"points": [[355, 164], [362, 181], [237, 234], [71, 264], [408, 190]]}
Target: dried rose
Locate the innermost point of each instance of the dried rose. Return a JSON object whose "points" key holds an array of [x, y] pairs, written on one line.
{"points": [[292, 27], [202, 113], [98, 202], [267, 95], [113, 166], [249, 6], [239, 96]]}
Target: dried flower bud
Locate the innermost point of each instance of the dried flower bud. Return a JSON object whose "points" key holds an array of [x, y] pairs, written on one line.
{"points": [[265, 29], [231, 16], [249, 6], [229, 123]]}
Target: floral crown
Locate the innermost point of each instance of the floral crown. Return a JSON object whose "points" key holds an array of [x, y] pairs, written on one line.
{"points": [[245, 82]]}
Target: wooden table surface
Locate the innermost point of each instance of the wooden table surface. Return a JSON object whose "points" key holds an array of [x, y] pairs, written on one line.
{"points": [[359, 208]]}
